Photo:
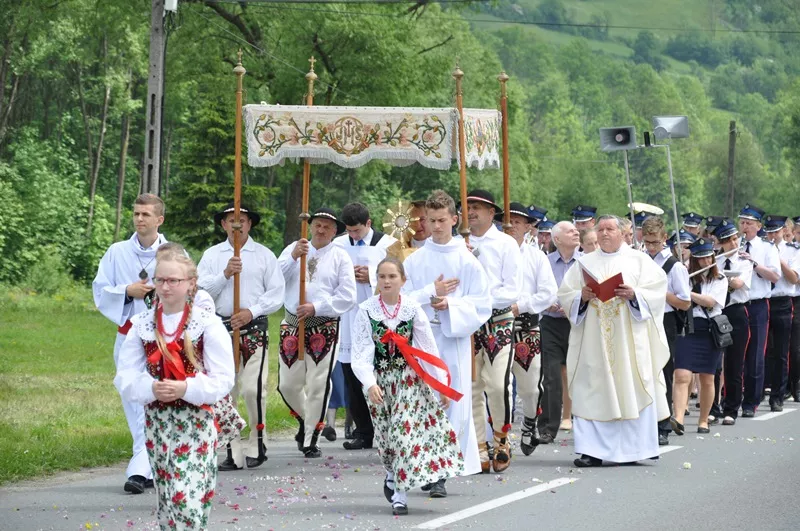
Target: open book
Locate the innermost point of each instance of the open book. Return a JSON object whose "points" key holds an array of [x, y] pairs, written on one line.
{"points": [[604, 290]]}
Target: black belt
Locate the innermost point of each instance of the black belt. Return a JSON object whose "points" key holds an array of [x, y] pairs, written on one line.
{"points": [[748, 303], [781, 298], [292, 320], [501, 311], [527, 321], [257, 323]]}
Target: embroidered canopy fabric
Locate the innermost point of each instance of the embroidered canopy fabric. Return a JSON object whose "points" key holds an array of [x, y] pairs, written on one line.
{"points": [[352, 136]]}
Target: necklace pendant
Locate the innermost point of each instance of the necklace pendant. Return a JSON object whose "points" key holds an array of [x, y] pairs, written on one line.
{"points": [[143, 274]]}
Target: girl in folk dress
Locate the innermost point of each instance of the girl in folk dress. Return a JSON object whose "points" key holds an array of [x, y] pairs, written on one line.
{"points": [[415, 440], [177, 361]]}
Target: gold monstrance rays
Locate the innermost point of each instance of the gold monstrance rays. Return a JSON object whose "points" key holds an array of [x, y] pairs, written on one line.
{"points": [[400, 222]]}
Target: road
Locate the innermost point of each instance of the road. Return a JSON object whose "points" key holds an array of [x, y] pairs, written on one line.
{"points": [[738, 477]]}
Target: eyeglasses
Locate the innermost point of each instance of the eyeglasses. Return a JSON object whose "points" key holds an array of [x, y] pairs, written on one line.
{"points": [[171, 282], [656, 243]]}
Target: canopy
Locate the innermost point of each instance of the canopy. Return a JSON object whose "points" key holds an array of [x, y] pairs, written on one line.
{"points": [[352, 136]]}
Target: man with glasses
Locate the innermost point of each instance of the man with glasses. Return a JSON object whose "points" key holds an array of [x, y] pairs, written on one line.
{"points": [[654, 238]]}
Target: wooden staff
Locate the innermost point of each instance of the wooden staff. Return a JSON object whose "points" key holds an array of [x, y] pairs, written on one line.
{"points": [[304, 216], [237, 199], [503, 79], [458, 75]]}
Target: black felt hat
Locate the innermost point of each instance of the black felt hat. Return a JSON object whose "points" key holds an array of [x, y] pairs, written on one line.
{"points": [[482, 196], [328, 213], [255, 218]]}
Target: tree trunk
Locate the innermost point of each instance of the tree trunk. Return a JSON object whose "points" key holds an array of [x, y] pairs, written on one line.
{"points": [[98, 155], [87, 130], [123, 158], [294, 199]]}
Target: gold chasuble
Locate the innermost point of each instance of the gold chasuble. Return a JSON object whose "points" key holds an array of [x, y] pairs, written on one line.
{"points": [[617, 349]]}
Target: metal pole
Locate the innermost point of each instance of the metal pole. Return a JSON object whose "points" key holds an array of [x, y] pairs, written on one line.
{"points": [[630, 196], [304, 215], [237, 201], [672, 188], [155, 99]]}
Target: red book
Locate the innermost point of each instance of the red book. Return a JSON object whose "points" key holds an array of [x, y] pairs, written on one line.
{"points": [[604, 290]]}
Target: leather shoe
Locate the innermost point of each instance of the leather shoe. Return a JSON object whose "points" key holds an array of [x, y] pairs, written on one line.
{"points": [[388, 491], [585, 461], [228, 465], [399, 509], [312, 452], [776, 407], [712, 420], [748, 413], [254, 462], [348, 432], [329, 433], [701, 429], [728, 421], [663, 439], [438, 490], [677, 427], [149, 484], [357, 444], [135, 484], [426, 487], [546, 439]]}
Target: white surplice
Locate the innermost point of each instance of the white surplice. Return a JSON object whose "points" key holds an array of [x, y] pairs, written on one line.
{"points": [[118, 268], [469, 307], [616, 354]]}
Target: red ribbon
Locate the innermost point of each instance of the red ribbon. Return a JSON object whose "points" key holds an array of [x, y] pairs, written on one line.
{"points": [[412, 355], [173, 369]]}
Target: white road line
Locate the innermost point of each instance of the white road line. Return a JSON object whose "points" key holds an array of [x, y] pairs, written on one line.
{"points": [[774, 414], [667, 449], [494, 504]]}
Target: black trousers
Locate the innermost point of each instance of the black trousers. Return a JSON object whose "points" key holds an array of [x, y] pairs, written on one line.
{"points": [[780, 329], [555, 342], [733, 359], [794, 350], [358, 406], [671, 331]]}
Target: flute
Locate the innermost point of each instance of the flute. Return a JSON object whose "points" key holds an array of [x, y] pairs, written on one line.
{"points": [[725, 254]]}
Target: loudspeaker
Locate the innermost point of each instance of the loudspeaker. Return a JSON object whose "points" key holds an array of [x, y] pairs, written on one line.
{"points": [[617, 138], [670, 127]]}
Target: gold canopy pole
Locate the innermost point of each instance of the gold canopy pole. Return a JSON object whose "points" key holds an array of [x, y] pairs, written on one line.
{"points": [[503, 79], [458, 75], [237, 199], [304, 215]]}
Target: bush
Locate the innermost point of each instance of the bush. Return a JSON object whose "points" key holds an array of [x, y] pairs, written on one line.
{"points": [[47, 275]]}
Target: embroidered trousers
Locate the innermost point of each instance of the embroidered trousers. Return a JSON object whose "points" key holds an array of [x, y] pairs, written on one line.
{"points": [[527, 367], [305, 385], [493, 358]]}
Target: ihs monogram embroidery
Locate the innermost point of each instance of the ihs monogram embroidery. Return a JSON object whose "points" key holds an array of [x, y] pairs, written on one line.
{"points": [[312, 268]]}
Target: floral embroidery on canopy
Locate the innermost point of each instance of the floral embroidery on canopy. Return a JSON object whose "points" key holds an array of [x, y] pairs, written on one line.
{"points": [[482, 138]]}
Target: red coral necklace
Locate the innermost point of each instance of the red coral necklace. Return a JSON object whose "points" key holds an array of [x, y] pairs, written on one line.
{"points": [[396, 308], [160, 321]]}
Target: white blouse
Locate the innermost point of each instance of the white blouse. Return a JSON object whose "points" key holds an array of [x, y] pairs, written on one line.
{"points": [[717, 288], [363, 350], [135, 384]]}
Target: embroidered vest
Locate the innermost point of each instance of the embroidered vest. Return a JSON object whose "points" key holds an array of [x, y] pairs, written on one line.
{"points": [[386, 355]]}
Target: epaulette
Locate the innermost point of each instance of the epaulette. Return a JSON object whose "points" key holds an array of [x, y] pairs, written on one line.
{"points": [[764, 239], [793, 245]]}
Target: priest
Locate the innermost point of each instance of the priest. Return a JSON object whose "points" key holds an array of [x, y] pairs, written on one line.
{"points": [[453, 289], [617, 350]]}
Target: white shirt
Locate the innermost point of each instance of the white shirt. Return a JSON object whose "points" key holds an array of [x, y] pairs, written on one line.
{"points": [[369, 255], [764, 254], [745, 267], [539, 286], [499, 255], [135, 384], [330, 280], [788, 254], [261, 285], [416, 244], [677, 279], [118, 268], [717, 288]]}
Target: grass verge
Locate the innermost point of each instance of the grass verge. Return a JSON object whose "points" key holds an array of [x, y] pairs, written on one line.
{"points": [[58, 406]]}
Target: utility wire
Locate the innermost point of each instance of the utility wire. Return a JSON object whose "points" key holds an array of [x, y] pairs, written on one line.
{"points": [[273, 4], [279, 59]]}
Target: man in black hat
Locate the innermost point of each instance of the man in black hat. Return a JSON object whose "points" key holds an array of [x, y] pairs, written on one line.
{"points": [[261, 292], [366, 247], [499, 255], [538, 293], [780, 313], [330, 293], [583, 216], [691, 222]]}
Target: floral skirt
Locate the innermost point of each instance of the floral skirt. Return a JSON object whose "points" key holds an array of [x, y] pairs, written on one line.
{"points": [[229, 423], [181, 441], [415, 439]]}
